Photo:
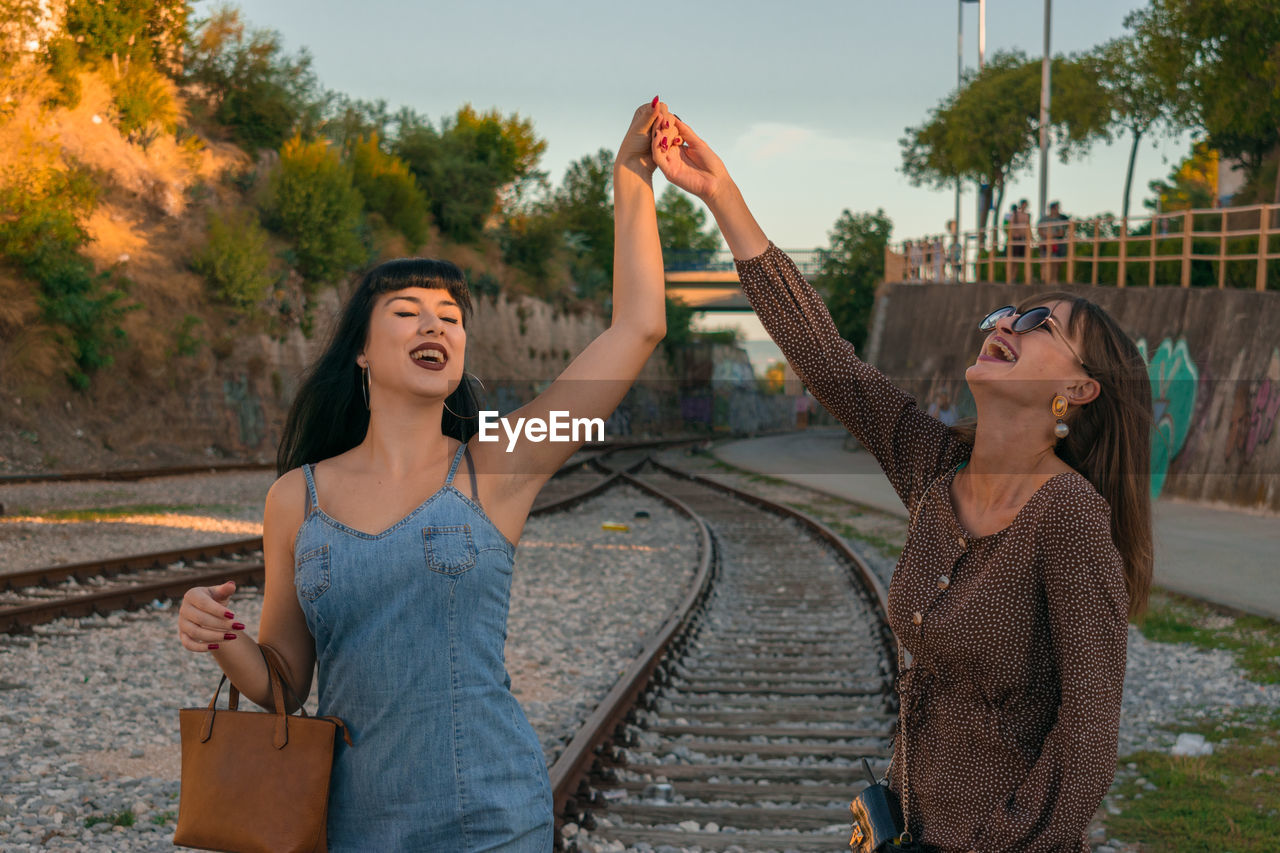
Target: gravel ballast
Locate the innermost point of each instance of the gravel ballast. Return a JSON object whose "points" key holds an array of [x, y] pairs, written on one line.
{"points": [[88, 723]]}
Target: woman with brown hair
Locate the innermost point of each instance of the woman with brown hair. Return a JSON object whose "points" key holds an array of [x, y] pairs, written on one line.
{"points": [[1029, 547]]}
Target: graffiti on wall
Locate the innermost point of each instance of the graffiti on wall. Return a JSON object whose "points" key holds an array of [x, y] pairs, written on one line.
{"points": [[1253, 412], [1174, 383]]}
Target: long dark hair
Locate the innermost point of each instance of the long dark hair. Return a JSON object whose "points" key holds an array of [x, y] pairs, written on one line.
{"points": [[329, 415], [1109, 441]]}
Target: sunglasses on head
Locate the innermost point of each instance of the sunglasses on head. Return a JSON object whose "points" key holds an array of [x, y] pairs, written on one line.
{"points": [[1032, 318]]}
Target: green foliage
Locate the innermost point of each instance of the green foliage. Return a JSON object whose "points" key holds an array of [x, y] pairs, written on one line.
{"points": [[262, 95], [235, 260], [1255, 640], [1126, 70], [464, 166], [1191, 185], [128, 33], [311, 200], [679, 331], [852, 269], [41, 234], [989, 130], [1217, 64], [1208, 803], [348, 119], [144, 105], [124, 817], [530, 239], [584, 208], [389, 188], [63, 60], [680, 224]]}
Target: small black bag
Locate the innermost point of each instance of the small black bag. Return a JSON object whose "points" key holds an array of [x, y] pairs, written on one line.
{"points": [[877, 818]]}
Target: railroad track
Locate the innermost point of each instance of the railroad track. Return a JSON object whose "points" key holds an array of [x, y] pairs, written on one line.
{"points": [[744, 720], [34, 596]]}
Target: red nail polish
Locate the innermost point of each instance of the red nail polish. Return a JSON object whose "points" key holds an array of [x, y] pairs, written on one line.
{"points": [[236, 626], [654, 105], [666, 124], [663, 144], [213, 646], [228, 636], [675, 141], [229, 615]]}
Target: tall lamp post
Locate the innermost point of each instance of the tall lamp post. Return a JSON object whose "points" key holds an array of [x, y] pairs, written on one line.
{"points": [[1045, 66], [982, 51]]}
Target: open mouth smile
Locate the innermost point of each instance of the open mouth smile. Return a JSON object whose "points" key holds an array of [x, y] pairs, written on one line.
{"points": [[430, 356], [998, 349]]}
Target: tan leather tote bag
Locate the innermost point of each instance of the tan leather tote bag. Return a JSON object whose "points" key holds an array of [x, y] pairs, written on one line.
{"points": [[255, 782]]}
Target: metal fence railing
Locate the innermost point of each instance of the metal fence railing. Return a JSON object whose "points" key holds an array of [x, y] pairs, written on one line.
{"points": [[1229, 247]]}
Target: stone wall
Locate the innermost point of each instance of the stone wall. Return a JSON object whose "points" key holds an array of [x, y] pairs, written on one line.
{"points": [[1214, 363]]}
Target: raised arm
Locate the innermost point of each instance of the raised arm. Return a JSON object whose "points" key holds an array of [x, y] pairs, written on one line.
{"points": [[911, 447], [597, 380]]}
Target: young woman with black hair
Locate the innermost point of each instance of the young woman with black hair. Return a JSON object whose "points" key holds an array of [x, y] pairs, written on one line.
{"points": [[391, 577], [1029, 544]]}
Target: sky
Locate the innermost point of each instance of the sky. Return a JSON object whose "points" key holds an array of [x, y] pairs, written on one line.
{"points": [[805, 101]]}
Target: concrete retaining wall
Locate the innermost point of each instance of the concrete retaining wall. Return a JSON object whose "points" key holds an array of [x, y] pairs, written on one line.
{"points": [[1214, 362]]}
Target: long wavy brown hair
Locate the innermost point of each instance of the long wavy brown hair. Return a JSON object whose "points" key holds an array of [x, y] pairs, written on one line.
{"points": [[1109, 441]]}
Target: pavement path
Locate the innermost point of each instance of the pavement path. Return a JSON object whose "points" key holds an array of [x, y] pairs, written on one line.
{"points": [[1228, 557]]}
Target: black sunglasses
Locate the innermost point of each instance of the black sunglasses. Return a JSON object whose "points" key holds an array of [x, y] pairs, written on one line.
{"points": [[1032, 318]]}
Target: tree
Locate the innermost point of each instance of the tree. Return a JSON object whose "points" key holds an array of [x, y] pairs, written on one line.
{"points": [[389, 188], [263, 95], [1192, 185], [852, 268], [680, 224], [584, 207], [1218, 63], [311, 200], [1127, 71], [127, 31], [466, 165], [989, 129]]}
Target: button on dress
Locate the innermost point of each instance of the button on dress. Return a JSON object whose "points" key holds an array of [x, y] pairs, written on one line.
{"points": [[1017, 639], [410, 626]]}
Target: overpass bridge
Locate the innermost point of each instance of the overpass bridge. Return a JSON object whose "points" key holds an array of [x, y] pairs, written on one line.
{"points": [[708, 281]]}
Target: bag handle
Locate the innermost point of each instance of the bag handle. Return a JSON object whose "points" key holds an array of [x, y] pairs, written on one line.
{"points": [[275, 665]]}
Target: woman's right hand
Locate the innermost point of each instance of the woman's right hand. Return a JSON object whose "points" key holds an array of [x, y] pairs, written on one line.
{"points": [[205, 620], [689, 163]]}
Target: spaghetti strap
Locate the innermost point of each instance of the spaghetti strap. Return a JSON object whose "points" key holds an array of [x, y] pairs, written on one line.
{"points": [[453, 469], [313, 502]]}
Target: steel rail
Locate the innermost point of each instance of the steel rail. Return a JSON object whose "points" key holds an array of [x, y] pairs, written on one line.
{"points": [[16, 618], [863, 574], [570, 771], [579, 755]]}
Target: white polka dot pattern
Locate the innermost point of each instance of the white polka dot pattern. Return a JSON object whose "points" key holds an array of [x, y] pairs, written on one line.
{"points": [[1013, 697]]}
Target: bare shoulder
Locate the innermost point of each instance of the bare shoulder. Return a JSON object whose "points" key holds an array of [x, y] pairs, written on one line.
{"points": [[286, 507]]}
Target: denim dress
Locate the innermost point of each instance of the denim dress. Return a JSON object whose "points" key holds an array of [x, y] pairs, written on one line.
{"points": [[409, 626]]}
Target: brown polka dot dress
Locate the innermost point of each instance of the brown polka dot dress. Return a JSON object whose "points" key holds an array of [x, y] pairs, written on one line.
{"points": [[1011, 704]]}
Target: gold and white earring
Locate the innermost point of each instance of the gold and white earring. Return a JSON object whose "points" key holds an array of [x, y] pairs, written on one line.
{"points": [[1060, 429]]}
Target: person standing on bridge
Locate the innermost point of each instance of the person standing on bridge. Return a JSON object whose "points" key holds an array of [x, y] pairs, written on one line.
{"points": [[1029, 547], [393, 581]]}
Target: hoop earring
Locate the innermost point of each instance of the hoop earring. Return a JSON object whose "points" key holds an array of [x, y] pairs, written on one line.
{"points": [[364, 384], [475, 378], [1059, 407], [456, 415]]}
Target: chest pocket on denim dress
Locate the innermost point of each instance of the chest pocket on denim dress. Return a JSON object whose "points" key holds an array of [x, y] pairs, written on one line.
{"points": [[450, 549], [311, 573]]}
